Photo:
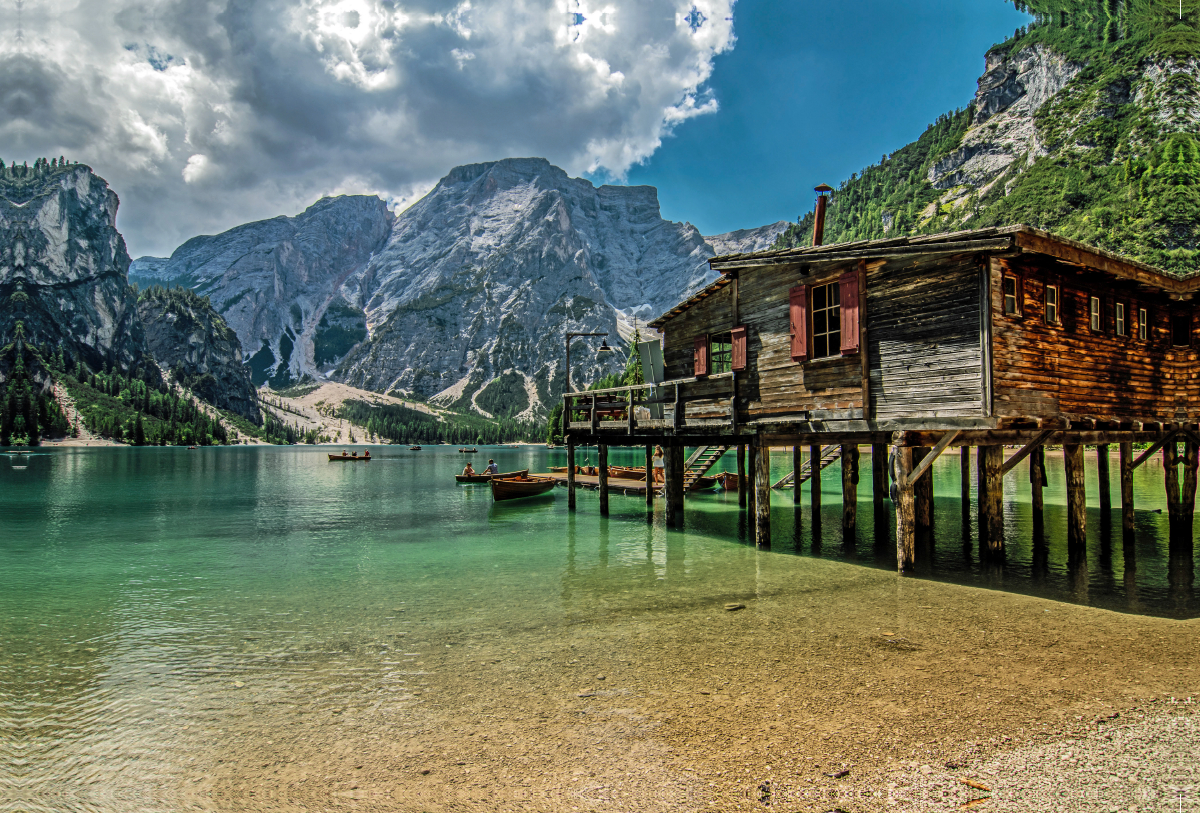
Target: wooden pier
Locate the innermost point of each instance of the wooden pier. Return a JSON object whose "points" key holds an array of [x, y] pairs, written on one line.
{"points": [[994, 338]]}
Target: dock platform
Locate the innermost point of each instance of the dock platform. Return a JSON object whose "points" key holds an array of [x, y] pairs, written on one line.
{"points": [[592, 481]]}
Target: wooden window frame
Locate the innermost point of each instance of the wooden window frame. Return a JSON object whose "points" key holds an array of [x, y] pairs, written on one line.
{"points": [[1095, 310], [720, 352], [1017, 295], [1143, 331], [1121, 319], [1056, 320], [1176, 318], [833, 321]]}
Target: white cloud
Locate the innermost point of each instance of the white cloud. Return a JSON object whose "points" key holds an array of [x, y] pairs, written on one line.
{"points": [[274, 102]]}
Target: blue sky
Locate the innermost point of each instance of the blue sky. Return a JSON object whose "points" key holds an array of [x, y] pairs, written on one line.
{"points": [[814, 91]]}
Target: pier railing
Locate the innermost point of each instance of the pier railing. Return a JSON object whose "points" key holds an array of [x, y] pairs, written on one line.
{"points": [[691, 403]]}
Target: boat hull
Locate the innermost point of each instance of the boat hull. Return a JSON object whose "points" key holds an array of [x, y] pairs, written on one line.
{"points": [[347, 459], [487, 478], [519, 487]]}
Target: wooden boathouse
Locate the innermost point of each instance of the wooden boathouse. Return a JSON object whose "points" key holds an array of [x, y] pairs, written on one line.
{"points": [[992, 338]]}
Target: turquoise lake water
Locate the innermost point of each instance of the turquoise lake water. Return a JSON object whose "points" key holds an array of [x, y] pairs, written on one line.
{"points": [[133, 581]]}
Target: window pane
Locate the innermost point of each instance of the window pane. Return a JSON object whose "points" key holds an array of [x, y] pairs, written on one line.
{"points": [[818, 297], [1143, 328], [835, 294], [835, 341]]}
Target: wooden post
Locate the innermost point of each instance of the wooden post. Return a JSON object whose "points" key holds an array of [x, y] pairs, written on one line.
{"points": [[814, 479], [879, 474], [1127, 488], [991, 498], [570, 475], [1037, 479], [964, 467], [673, 472], [1102, 461], [797, 464], [762, 497], [602, 454], [923, 490], [751, 462], [741, 464], [1171, 471], [1076, 497], [906, 511], [849, 487], [1187, 502]]}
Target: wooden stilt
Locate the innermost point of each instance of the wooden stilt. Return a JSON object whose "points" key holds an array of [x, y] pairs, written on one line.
{"points": [[1170, 454], [849, 487], [906, 512], [1127, 488], [602, 450], [923, 491], [964, 464], [814, 481], [879, 475], [762, 497], [570, 475], [649, 474], [1187, 500], [680, 473], [748, 480], [673, 473], [1037, 479], [1102, 461], [1076, 497], [797, 464], [991, 498], [741, 466]]}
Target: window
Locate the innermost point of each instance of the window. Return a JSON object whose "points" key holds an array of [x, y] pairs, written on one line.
{"points": [[1181, 329], [826, 320], [1094, 313], [720, 353], [1143, 324], [1121, 319], [1012, 302], [1052, 305]]}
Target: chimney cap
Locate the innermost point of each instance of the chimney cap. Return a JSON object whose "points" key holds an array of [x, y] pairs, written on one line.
{"points": [[823, 188]]}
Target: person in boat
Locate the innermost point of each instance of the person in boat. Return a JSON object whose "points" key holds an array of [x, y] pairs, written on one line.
{"points": [[366, 453], [491, 468], [354, 453], [344, 453], [660, 474], [468, 470]]}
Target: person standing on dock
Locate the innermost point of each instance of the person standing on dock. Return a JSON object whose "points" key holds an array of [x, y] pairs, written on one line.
{"points": [[659, 471], [491, 468]]}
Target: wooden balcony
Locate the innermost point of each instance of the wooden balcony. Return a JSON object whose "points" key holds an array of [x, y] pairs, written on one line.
{"points": [[681, 404]]}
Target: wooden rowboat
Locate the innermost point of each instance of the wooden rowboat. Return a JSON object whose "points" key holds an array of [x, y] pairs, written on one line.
{"points": [[515, 488], [487, 478], [344, 458], [728, 480]]}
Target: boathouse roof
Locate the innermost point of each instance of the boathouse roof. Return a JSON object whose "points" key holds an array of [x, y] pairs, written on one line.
{"points": [[1020, 238]]}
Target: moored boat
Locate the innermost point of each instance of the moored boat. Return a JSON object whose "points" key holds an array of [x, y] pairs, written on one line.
{"points": [[728, 480], [487, 478], [514, 488]]}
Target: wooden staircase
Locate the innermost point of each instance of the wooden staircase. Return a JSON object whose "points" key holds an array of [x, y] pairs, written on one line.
{"points": [[828, 455], [703, 459]]}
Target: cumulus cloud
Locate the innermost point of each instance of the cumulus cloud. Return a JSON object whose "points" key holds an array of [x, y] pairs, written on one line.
{"points": [[206, 113]]}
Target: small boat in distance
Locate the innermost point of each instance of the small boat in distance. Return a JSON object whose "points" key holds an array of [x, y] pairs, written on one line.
{"points": [[343, 457], [487, 478], [468, 451], [515, 488], [414, 448]]}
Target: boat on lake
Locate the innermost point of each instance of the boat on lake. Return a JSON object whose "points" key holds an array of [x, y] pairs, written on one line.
{"points": [[341, 458], [728, 480], [468, 451], [486, 478], [514, 488], [414, 448]]}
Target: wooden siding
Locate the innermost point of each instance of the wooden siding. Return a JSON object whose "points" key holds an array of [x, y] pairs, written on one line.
{"points": [[923, 339], [1046, 370]]}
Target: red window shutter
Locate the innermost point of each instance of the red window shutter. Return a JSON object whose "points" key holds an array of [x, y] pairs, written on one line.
{"points": [[849, 299], [739, 348], [701, 355], [799, 322]]}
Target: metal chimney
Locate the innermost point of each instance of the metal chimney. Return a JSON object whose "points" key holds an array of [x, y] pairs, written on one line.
{"points": [[822, 201]]}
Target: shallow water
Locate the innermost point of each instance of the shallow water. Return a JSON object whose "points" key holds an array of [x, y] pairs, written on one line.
{"points": [[142, 589]]}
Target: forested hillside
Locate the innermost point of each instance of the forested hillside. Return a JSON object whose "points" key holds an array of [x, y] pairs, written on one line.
{"points": [[1085, 124]]}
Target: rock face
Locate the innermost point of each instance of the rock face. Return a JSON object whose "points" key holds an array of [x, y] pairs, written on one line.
{"points": [[189, 339], [274, 280], [479, 282], [466, 296], [63, 266]]}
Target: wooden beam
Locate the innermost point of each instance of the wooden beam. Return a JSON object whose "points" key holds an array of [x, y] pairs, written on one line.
{"points": [[1146, 455], [884, 252], [849, 488], [741, 470], [814, 482], [879, 474], [673, 460], [1076, 496], [650, 474], [964, 468], [1025, 451], [991, 498], [1037, 480], [1127, 488], [751, 462], [938, 448], [1103, 458], [570, 475], [797, 464]]}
